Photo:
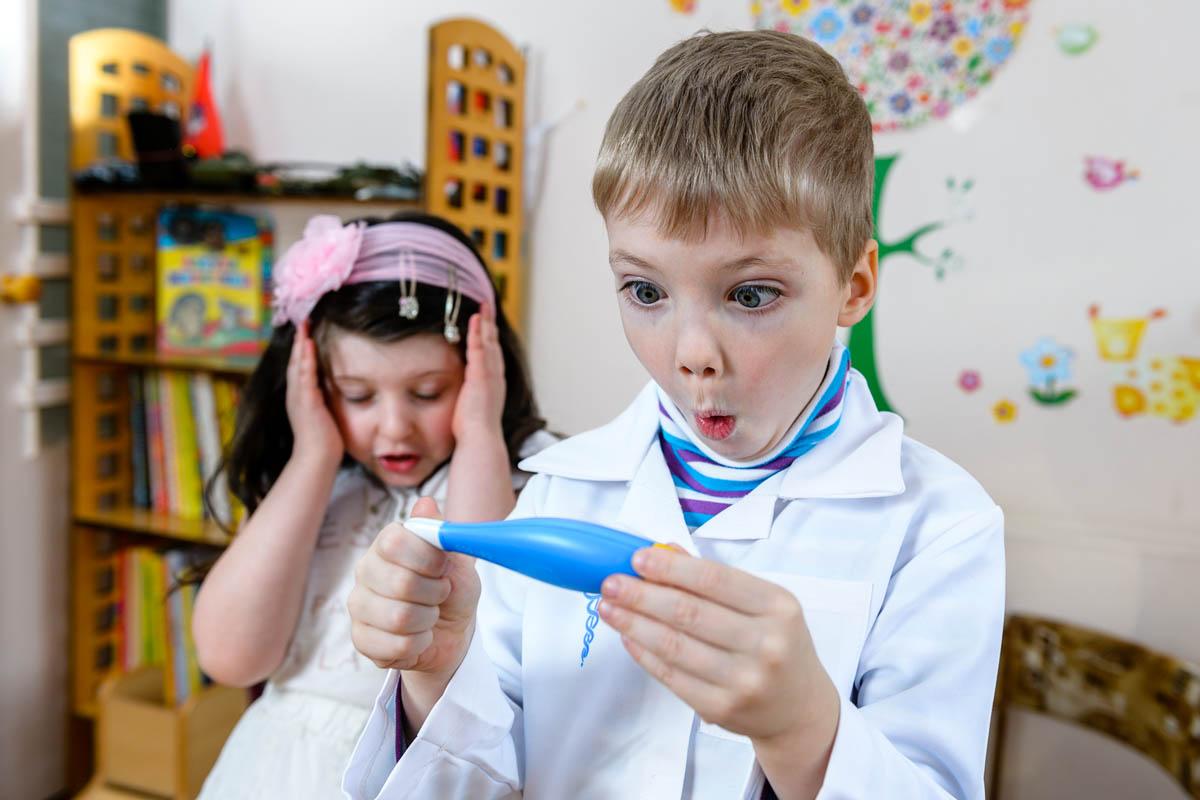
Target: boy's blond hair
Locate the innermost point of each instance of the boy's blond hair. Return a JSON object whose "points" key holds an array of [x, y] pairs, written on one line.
{"points": [[760, 127]]}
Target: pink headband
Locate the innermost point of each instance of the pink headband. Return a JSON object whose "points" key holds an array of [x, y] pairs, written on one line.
{"points": [[331, 255]]}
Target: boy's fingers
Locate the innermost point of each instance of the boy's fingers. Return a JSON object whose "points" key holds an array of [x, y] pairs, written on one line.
{"points": [[384, 579], [391, 616], [403, 548], [709, 579], [681, 611], [388, 650]]}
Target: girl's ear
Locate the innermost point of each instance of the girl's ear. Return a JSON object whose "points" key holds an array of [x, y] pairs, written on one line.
{"points": [[860, 289]]}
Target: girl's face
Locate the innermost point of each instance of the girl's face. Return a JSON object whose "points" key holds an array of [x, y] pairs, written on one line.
{"points": [[394, 402]]}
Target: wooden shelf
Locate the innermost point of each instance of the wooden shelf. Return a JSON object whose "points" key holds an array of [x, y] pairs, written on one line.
{"points": [[138, 520], [219, 198], [223, 366]]}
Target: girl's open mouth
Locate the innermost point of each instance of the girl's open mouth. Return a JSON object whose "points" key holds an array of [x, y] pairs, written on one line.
{"points": [[397, 463], [715, 426]]}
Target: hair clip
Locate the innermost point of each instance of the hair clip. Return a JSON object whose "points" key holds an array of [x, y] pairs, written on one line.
{"points": [[453, 302], [409, 307]]}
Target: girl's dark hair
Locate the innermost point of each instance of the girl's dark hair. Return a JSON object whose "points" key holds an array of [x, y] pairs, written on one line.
{"points": [[262, 440]]}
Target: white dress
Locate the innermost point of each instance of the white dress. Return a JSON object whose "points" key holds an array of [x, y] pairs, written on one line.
{"points": [[296, 739]]}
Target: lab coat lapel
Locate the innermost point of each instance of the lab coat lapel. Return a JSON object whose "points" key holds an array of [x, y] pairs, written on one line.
{"points": [[651, 508]]}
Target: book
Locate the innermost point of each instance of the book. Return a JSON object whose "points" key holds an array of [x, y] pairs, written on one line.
{"points": [[156, 455], [208, 439], [170, 444], [186, 452], [227, 406], [213, 279], [138, 445]]}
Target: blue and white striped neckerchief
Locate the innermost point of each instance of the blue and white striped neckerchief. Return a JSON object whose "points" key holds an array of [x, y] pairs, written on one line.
{"points": [[707, 483]]}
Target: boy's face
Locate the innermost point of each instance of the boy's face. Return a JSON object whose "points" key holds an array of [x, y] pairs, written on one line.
{"points": [[736, 330]]}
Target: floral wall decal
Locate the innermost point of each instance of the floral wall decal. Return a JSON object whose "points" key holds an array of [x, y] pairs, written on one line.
{"points": [[1049, 366], [1106, 173], [1163, 385]]}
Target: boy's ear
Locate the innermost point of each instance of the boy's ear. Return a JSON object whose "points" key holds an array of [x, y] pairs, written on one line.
{"points": [[860, 289]]}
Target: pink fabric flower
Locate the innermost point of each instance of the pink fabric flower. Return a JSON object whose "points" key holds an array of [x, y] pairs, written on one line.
{"points": [[320, 262]]}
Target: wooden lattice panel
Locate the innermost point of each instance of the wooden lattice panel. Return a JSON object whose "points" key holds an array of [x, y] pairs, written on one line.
{"points": [[101, 446], [95, 624], [475, 148], [113, 279], [115, 71]]}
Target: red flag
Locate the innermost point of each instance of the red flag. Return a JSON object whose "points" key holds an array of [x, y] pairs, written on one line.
{"points": [[204, 124]]}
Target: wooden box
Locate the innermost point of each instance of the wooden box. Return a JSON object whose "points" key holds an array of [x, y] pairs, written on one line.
{"points": [[145, 746]]}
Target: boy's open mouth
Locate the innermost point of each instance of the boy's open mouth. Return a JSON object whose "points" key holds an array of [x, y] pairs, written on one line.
{"points": [[715, 426], [398, 463]]}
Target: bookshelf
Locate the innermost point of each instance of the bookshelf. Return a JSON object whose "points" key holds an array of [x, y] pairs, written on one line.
{"points": [[479, 149]]}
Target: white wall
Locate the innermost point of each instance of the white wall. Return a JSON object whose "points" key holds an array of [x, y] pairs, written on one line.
{"points": [[317, 80], [343, 81]]}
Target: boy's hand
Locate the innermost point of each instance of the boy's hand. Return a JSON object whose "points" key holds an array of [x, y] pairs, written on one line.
{"points": [[413, 606], [480, 401], [732, 646], [314, 431]]}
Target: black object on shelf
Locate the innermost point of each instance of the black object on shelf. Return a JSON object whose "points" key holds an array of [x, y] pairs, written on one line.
{"points": [[158, 142]]}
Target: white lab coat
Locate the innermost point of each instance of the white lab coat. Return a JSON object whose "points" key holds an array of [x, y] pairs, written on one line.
{"points": [[894, 552]]}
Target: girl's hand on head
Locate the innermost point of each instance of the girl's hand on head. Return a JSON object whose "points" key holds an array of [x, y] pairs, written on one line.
{"points": [[315, 433], [480, 403], [732, 646], [413, 606]]}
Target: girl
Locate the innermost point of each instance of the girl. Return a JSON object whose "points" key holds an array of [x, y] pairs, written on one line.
{"points": [[367, 396]]}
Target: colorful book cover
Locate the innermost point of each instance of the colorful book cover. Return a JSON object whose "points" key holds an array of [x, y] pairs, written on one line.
{"points": [[183, 666], [137, 441], [154, 642], [208, 437], [211, 282], [186, 452], [170, 443], [156, 461], [227, 408]]}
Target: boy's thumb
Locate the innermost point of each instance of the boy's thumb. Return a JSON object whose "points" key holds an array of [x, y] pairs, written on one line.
{"points": [[426, 507]]}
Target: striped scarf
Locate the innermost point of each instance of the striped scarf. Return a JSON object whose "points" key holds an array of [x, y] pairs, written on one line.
{"points": [[707, 483]]}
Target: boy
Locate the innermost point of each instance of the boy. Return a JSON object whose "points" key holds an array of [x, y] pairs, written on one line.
{"points": [[828, 621]]}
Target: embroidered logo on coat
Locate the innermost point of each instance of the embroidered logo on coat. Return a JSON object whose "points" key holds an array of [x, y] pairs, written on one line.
{"points": [[589, 625]]}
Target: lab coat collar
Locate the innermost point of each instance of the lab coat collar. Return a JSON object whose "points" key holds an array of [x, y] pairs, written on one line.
{"points": [[861, 459]]}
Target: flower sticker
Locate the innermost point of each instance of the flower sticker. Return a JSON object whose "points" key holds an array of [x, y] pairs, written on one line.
{"points": [[1075, 39], [969, 380], [1049, 367], [1004, 412], [1106, 173]]}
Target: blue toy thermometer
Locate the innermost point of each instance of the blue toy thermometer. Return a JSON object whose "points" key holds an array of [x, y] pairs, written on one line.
{"points": [[564, 552]]}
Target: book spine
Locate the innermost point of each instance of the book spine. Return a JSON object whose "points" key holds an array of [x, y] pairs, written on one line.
{"points": [[137, 441], [156, 461], [170, 443], [208, 437], [187, 450]]}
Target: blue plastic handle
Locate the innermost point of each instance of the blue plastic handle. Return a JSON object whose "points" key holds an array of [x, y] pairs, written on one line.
{"points": [[569, 553]]}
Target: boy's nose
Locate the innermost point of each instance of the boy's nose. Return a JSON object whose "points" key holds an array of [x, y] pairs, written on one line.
{"points": [[697, 352]]}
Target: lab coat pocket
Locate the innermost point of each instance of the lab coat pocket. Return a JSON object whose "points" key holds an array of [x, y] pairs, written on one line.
{"points": [[837, 613]]}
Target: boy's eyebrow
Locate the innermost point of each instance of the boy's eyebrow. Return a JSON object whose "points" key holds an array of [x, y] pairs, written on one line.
{"points": [[746, 262], [622, 257]]}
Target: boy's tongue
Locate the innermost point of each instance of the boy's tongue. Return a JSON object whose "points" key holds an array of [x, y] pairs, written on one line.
{"points": [[715, 426]]}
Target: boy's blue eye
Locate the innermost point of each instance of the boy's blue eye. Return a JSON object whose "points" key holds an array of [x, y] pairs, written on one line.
{"points": [[645, 293], [754, 296]]}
